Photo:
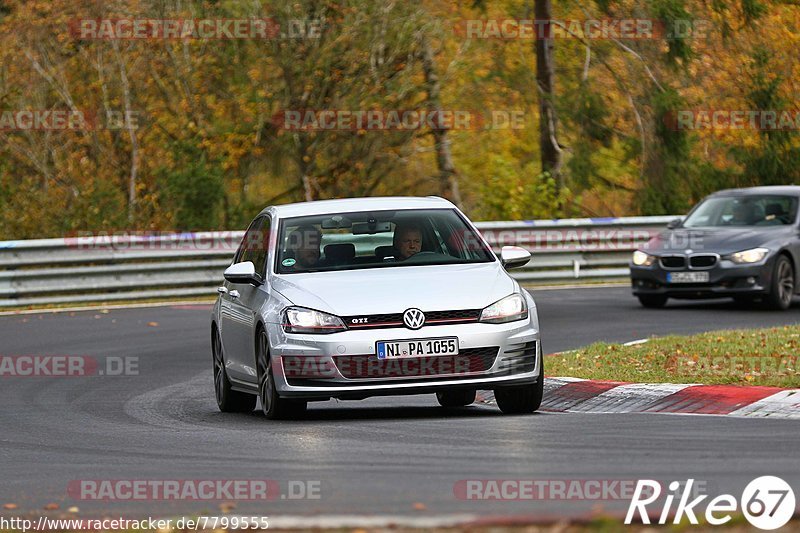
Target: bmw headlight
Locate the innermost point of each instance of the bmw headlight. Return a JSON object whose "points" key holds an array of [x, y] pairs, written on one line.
{"points": [[302, 320], [642, 259], [509, 309], [750, 256]]}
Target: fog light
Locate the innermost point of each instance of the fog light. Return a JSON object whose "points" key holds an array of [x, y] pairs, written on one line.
{"points": [[751, 280]]}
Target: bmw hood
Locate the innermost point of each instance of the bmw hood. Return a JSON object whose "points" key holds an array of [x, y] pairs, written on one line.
{"points": [[722, 241], [395, 289]]}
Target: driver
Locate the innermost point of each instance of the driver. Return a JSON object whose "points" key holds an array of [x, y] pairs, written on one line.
{"points": [[742, 214], [407, 241], [304, 244]]}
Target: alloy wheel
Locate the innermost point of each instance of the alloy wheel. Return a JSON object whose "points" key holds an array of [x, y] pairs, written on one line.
{"points": [[266, 386], [219, 369], [785, 282]]}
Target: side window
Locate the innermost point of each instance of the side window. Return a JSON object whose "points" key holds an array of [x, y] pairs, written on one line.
{"points": [[261, 250], [240, 252], [255, 245]]}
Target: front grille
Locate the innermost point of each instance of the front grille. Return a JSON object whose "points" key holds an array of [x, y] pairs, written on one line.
{"points": [[673, 261], [391, 320], [471, 315], [468, 361], [702, 261], [395, 320]]}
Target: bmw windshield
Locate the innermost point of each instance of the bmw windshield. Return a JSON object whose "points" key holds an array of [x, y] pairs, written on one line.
{"points": [[738, 211], [346, 241]]}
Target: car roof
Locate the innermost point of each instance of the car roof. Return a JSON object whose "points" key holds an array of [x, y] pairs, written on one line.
{"points": [[789, 190], [344, 205]]}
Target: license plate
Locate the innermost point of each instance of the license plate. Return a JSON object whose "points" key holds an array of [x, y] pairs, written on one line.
{"points": [[417, 348], [687, 277]]}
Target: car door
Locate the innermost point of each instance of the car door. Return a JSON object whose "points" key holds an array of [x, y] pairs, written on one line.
{"points": [[241, 303]]}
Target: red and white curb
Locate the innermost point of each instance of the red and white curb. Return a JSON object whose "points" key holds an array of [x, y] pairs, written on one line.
{"points": [[577, 395]]}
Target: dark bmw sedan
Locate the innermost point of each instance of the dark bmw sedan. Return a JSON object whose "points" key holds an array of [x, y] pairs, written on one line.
{"points": [[739, 243]]}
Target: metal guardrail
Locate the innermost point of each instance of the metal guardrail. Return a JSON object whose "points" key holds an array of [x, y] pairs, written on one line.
{"points": [[100, 268]]}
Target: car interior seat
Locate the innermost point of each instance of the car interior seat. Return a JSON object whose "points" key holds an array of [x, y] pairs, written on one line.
{"points": [[340, 254]]}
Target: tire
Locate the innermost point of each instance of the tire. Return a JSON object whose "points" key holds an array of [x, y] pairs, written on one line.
{"points": [[228, 400], [782, 287], [521, 399], [653, 301], [272, 405], [455, 398]]}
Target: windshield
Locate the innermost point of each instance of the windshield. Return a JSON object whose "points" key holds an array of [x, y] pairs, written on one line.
{"points": [[378, 239], [755, 210]]}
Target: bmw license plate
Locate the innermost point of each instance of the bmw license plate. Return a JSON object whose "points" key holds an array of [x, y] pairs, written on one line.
{"points": [[417, 348], [687, 277]]}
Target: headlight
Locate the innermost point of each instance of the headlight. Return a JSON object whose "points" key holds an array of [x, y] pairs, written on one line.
{"points": [[642, 259], [508, 309], [750, 256], [302, 320]]}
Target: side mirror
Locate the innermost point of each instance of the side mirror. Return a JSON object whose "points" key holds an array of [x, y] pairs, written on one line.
{"points": [[514, 257], [674, 223], [244, 273]]}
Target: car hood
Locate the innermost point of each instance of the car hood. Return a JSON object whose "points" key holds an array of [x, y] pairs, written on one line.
{"points": [[395, 289], [713, 240]]}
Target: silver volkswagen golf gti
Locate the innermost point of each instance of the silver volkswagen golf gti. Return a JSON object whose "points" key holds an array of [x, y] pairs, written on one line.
{"points": [[364, 297]]}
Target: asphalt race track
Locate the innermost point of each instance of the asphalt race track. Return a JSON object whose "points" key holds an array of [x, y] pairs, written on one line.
{"points": [[387, 456]]}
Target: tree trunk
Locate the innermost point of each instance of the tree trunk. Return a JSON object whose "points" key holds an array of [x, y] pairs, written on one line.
{"points": [[131, 128], [448, 178], [545, 78]]}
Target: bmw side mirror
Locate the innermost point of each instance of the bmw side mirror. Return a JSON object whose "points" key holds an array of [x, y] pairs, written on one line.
{"points": [[514, 257], [244, 273], [674, 223]]}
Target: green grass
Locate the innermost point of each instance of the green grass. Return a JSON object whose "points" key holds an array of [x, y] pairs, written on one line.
{"points": [[741, 357]]}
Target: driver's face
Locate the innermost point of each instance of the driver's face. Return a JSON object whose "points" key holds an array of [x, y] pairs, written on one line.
{"points": [[308, 256], [306, 252], [740, 212], [409, 243]]}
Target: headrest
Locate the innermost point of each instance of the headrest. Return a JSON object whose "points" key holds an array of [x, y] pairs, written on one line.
{"points": [[775, 210], [340, 252]]}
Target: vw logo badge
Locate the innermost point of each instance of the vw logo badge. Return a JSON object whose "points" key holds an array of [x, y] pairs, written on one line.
{"points": [[414, 318]]}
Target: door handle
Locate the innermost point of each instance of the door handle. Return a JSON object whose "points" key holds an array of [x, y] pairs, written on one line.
{"points": [[234, 294], [222, 290]]}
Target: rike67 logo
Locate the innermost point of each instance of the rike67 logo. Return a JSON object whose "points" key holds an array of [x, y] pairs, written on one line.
{"points": [[767, 502]]}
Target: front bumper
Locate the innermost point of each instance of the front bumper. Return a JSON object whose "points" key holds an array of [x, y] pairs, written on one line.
{"points": [[726, 279], [344, 365]]}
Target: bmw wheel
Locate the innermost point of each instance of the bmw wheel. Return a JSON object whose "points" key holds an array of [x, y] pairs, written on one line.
{"points": [[228, 400], [272, 405], [782, 287]]}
